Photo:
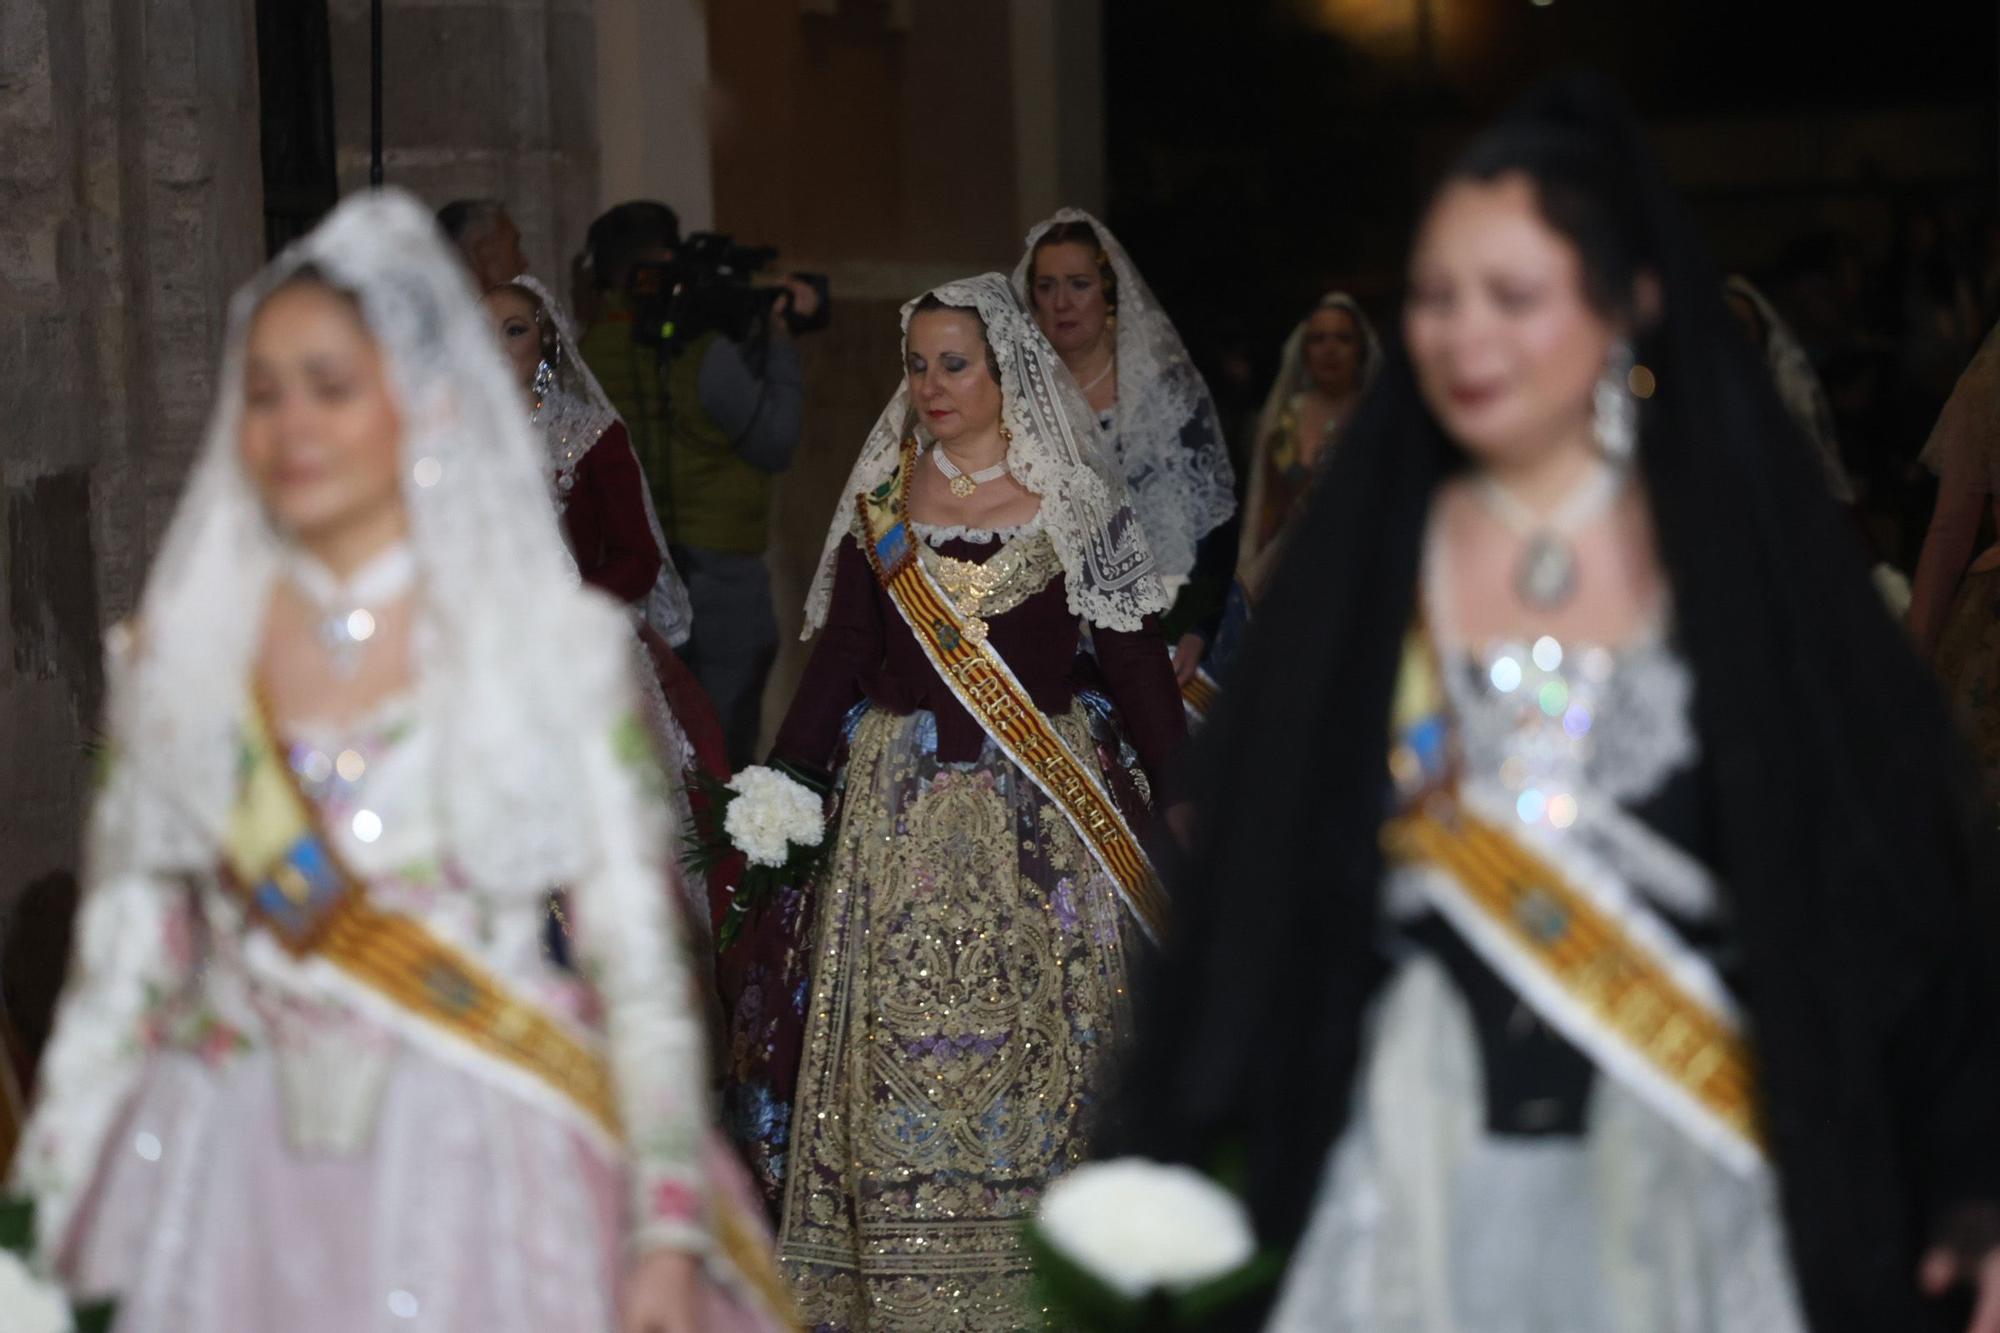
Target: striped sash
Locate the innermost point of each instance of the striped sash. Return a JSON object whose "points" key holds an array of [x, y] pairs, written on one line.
{"points": [[980, 679]]}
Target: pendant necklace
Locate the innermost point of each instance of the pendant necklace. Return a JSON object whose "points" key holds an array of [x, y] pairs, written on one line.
{"points": [[965, 483], [1545, 576], [342, 621]]}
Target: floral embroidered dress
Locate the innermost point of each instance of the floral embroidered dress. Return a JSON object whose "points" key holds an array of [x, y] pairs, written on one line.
{"points": [[472, 1114], [205, 1087], [970, 958], [969, 953]]}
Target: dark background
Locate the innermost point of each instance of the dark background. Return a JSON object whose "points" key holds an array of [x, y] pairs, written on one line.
{"points": [[1845, 156]]}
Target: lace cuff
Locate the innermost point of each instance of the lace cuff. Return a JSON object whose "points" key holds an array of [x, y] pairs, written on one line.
{"points": [[124, 957], [631, 946]]}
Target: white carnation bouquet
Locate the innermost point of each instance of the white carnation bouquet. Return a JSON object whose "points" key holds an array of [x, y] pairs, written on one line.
{"points": [[30, 1303], [1132, 1244], [770, 821]]}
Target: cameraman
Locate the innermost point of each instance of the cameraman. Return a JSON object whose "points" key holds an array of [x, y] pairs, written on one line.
{"points": [[714, 423]]}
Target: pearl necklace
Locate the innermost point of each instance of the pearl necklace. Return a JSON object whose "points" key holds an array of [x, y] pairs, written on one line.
{"points": [[1109, 366], [965, 483]]}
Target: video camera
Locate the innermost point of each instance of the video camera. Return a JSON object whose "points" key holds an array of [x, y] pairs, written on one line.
{"points": [[706, 287]]}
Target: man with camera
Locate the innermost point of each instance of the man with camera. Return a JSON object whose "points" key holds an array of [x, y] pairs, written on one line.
{"points": [[703, 368]]}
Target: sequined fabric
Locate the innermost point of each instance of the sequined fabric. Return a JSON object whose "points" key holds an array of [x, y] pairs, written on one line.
{"points": [[969, 982]]}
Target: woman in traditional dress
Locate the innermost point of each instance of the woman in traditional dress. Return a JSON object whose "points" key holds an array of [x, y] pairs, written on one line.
{"points": [[314, 1068], [1154, 411], [985, 893], [1793, 375], [1588, 928], [611, 529], [1955, 597], [1326, 363]]}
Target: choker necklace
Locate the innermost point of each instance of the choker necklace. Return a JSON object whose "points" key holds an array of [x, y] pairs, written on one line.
{"points": [[965, 483], [343, 623], [1545, 576]]}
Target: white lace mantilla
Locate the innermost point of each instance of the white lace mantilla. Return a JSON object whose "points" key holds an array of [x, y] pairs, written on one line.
{"points": [[1108, 567], [524, 688], [1170, 446], [573, 416]]}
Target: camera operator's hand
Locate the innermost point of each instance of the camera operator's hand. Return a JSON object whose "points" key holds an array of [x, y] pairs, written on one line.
{"points": [[802, 298]]}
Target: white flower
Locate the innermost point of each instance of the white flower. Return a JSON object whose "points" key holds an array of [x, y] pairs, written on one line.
{"points": [[770, 813], [1138, 1226], [1893, 588], [28, 1304]]}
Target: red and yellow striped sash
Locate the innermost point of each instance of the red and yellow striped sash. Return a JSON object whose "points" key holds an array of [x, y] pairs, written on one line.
{"points": [[982, 681], [1619, 984]]}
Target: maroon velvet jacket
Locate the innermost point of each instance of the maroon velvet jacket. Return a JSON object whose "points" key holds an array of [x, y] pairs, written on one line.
{"points": [[604, 517], [866, 650]]}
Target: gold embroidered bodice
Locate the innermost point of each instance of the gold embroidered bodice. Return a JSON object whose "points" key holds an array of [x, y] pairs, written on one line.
{"points": [[1009, 577]]}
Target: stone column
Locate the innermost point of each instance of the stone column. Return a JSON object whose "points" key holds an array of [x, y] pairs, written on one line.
{"points": [[1056, 49], [481, 98], [130, 207]]}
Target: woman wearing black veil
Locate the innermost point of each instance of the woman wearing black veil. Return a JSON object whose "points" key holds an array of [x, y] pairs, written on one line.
{"points": [[1650, 984]]}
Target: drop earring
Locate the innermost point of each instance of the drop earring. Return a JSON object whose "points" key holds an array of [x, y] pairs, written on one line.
{"points": [[1615, 411]]}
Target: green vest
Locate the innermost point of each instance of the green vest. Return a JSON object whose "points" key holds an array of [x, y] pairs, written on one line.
{"points": [[707, 496]]}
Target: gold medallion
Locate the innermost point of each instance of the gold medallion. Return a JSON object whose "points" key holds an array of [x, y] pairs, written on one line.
{"points": [[962, 486]]}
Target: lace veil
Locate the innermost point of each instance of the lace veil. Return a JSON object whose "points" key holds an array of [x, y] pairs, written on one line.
{"points": [[1289, 384], [1169, 442], [1106, 560], [514, 664], [574, 414], [1291, 379], [1798, 386]]}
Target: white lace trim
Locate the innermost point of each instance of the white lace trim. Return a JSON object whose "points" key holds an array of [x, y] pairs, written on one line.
{"points": [[573, 418], [938, 534], [1170, 446], [1108, 567]]}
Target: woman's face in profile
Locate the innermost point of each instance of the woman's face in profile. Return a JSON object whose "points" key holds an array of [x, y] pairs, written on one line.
{"points": [[1506, 346], [512, 315]]}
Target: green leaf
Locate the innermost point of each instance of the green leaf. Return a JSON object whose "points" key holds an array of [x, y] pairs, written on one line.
{"points": [[96, 1317], [17, 1224], [1195, 1307], [1080, 1300]]}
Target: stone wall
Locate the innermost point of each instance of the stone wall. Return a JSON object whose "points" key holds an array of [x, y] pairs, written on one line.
{"points": [[480, 98], [130, 207]]}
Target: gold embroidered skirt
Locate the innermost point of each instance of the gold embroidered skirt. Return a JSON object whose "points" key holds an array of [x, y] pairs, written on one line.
{"points": [[969, 988]]}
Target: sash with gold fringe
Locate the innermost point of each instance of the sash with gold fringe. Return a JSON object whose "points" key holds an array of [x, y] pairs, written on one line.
{"points": [[293, 882], [981, 680], [1198, 696], [1599, 968]]}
